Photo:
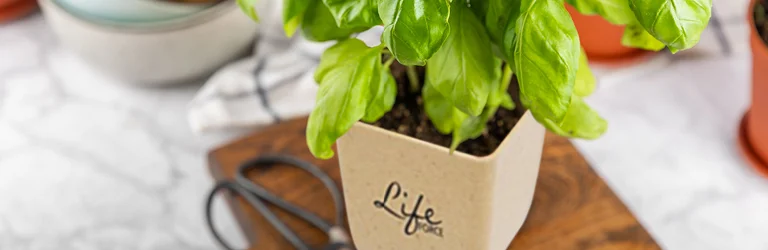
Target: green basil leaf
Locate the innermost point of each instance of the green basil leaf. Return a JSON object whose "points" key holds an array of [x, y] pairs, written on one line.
{"points": [[440, 111], [465, 68], [676, 23], [472, 127], [293, 13], [545, 49], [354, 13], [480, 8], [336, 54], [343, 97], [414, 29], [318, 24], [507, 102], [498, 16], [580, 121], [249, 7], [637, 37], [585, 80], [383, 94], [613, 11], [499, 94]]}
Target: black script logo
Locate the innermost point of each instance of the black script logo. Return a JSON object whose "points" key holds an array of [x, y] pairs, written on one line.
{"points": [[413, 221]]}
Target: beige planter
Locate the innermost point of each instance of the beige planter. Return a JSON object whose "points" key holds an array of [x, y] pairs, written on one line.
{"points": [[403, 193]]}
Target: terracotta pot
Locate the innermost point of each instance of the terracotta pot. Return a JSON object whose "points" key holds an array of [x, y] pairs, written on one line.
{"points": [[13, 9], [602, 40], [4, 3], [404, 193], [753, 132]]}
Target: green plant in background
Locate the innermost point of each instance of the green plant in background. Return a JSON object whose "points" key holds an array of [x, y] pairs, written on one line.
{"points": [[471, 50]]}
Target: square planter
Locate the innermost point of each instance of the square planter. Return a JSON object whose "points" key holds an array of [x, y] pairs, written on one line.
{"points": [[404, 193]]}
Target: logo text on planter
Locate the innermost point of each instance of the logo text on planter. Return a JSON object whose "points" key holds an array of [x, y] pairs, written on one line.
{"points": [[414, 222]]}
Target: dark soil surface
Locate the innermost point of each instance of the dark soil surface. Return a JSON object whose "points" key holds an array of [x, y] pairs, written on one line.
{"points": [[408, 117], [761, 19]]}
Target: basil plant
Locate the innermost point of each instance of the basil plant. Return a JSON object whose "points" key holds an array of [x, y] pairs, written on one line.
{"points": [[471, 49]]}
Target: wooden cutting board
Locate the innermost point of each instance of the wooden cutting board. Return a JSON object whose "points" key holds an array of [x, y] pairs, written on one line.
{"points": [[572, 207]]}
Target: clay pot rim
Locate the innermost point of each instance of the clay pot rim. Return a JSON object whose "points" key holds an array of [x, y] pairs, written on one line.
{"points": [[634, 58], [745, 145]]}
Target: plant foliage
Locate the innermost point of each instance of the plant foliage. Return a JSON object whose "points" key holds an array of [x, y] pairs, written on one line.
{"points": [[471, 49]]}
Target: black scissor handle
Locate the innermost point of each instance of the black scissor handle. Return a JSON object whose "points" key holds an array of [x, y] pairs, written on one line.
{"points": [[255, 195]]}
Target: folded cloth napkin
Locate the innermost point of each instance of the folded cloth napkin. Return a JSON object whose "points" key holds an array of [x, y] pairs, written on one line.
{"points": [[275, 84]]}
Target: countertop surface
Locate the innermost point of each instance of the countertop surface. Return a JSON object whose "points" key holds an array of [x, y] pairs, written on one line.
{"points": [[88, 162]]}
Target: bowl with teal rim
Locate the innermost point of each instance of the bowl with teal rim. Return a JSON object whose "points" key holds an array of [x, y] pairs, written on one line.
{"points": [[130, 11], [159, 52]]}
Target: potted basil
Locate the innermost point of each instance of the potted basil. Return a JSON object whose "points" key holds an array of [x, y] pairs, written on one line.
{"points": [[439, 127]]}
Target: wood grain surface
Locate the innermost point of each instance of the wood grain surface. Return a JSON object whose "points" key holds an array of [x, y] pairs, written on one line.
{"points": [[572, 208]]}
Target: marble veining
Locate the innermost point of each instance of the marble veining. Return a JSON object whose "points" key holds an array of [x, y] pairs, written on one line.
{"points": [[671, 155], [670, 152], [88, 162]]}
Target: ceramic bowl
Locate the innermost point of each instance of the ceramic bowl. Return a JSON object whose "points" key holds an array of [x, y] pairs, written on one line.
{"points": [[174, 51], [133, 11]]}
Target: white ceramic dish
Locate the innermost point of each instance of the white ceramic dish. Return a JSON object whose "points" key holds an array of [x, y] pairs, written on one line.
{"points": [[130, 11], [174, 51]]}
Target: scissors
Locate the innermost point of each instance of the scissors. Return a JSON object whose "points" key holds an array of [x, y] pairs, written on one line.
{"points": [[258, 197]]}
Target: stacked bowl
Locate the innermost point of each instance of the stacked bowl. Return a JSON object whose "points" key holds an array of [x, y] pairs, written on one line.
{"points": [[152, 42]]}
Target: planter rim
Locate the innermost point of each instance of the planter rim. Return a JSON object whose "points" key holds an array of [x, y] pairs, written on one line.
{"points": [[456, 153], [636, 57]]}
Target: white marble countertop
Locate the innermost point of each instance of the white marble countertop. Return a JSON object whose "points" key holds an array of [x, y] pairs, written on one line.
{"points": [[87, 162], [671, 150]]}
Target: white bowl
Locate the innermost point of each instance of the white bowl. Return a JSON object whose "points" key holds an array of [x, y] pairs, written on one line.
{"points": [[130, 11], [173, 51]]}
